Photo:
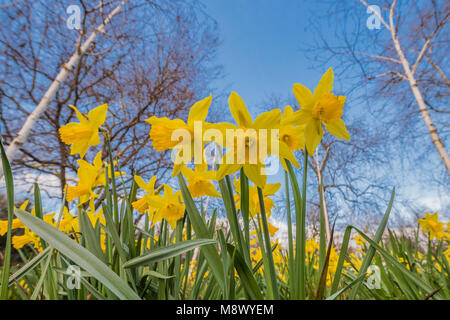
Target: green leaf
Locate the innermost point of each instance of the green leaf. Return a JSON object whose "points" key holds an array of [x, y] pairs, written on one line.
{"points": [[201, 231], [168, 252], [290, 237], [371, 252], [111, 230], [10, 195], [323, 275], [351, 284], [300, 255], [79, 255], [407, 273], [157, 275], [245, 274], [39, 284], [267, 246], [230, 209], [342, 254], [92, 243], [30, 265]]}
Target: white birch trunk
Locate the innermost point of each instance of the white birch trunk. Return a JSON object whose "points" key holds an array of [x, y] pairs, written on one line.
{"points": [[437, 142], [321, 191], [63, 74]]}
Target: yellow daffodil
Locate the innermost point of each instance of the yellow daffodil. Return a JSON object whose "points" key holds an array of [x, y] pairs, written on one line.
{"points": [[272, 230], [311, 247], [430, 224], [168, 207], [96, 217], [293, 136], [84, 134], [68, 222], [143, 205], [254, 206], [28, 237], [16, 223], [98, 168], [257, 139], [198, 180], [322, 107], [50, 219], [167, 134], [89, 176], [84, 190]]}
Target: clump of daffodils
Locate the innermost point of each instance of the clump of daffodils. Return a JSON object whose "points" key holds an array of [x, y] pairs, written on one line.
{"points": [[238, 178]]}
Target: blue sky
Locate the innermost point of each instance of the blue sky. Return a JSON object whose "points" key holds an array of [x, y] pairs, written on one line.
{"points": [[260, 46], [262, 55], [261, 52]]}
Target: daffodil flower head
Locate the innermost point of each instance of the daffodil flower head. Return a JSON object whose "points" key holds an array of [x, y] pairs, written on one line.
{"points": [[199, 181], [320, 108], [292, 136], [168, 207], [167, 134], [430, 224], [28, 237], [143, 205], [252, 141], [254, 206], [87, 179], [84, 134], [98, 169], [16, 223], [68, 222]]}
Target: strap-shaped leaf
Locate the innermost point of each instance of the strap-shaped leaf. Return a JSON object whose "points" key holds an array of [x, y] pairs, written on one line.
{"points": [[79, 255], [30, 265], [201, 231], [168, 252]]}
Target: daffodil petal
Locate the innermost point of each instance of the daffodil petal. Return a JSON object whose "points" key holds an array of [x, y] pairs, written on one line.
{"points": [[325, 84], [313, 135], [253, 172], [271, 188], [156, 201], [298, 118], [268, 120], [177, 169], [79, 147], [79, 115], [97, 116], [187, 172], [239, 111], [337, 128], [95, 139], [287, 115], [286, 153], [98, 163], [212, 192], [303, 96], [199, 111], [228, 165]]}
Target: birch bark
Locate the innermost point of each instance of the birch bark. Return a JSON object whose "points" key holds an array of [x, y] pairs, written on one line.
{"points": [[63, 74]]}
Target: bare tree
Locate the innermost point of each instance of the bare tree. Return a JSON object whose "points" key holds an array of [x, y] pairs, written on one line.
{"points": [[64, 73], [151, 59], [405, 61]]}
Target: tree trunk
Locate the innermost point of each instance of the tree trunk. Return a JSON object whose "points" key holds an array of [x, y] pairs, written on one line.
{"points": [[319, 169], [437, 142], [63, 74]]}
